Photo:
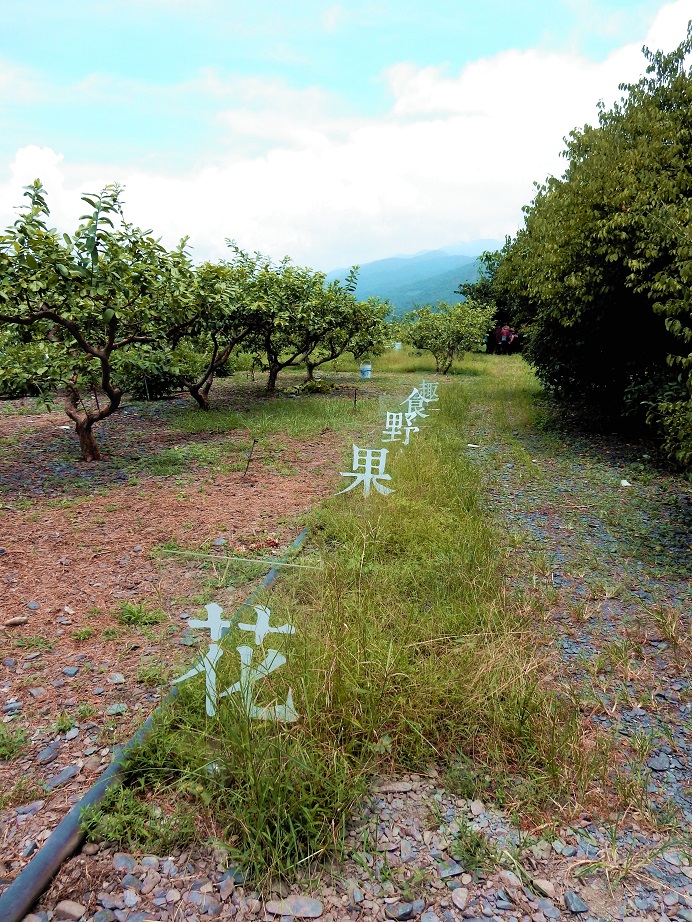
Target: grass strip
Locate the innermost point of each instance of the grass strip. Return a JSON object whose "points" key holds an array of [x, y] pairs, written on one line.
{"points": [[407, 650]]}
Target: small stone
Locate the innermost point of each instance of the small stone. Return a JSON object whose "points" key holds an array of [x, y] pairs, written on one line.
{"points": [[430, 916], [62, 777], [70, 671], [219, 542], [130, 882], [399, 911], [116, 678], [110, 902], [449, 869], [671, 858], [9, 662], [47, 755], [253, 906], [71, 734], [37, 692], [477, 807], [687, 871], [546, 887], [117, 708], [460, 898], [173, 896], [30, 809], [29, 849], [406, 851], [574, 902], [123, 862], [394, 787], [510, 879], [659, 763], [569, 851], [34, 606], [12, 707], [151, 862], [300, 907], [137, 548], [68, 909], [90, 848], [130, 898], [548, 909], [97, 691], [104, 915], [226, 888], [671, 899], [418, 906], [92, 764]]}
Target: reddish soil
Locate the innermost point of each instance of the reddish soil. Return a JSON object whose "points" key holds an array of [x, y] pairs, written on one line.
{"points": [[69, 564]]}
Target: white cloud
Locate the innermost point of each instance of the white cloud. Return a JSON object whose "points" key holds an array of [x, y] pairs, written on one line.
{"points": [[454, 158]]}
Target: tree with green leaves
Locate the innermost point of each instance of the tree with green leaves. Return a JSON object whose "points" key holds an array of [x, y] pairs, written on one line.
{"points": [[298, 319], [448, 330], [601, 268], [86, 300]]}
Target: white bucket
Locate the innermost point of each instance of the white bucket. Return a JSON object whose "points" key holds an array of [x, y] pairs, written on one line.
{"points": [[365, 369], [398, 347]]}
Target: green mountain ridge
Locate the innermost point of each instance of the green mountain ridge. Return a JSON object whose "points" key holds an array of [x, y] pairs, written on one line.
{"points": [[409, 281]]}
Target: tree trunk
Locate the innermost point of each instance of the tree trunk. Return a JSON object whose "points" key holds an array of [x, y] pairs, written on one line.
{"points": [[87, 442], [311, 371], [200, 395], [273, 375]]}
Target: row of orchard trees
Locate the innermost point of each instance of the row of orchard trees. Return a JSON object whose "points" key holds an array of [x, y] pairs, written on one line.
{"points": [[600, 275], [86, 313]]}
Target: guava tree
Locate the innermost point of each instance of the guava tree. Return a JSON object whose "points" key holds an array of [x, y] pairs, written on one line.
{"points": [[225, 316], [296, 318], [448, 330], [87, 299], [347, 325]]}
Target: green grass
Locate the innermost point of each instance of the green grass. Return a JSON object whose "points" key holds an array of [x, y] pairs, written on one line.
{"points": [[138, 614], [12, 743], [297, 417], [407, 650], [33, 643]]}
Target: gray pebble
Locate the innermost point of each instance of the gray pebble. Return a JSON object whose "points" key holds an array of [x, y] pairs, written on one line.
{"points": [[117, 708], [9, 662], [70, 671], [65, 775], [123, 862], [575, 903], [130, 882], [47, 755]]}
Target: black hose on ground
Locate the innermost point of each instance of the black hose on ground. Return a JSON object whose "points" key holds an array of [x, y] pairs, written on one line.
{"points": [[66, 838]]}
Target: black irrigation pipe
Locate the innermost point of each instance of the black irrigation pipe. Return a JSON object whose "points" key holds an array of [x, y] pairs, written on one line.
{"points": [[66, 838]]}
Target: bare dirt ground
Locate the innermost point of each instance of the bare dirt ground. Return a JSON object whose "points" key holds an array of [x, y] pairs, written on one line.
{"points": [[76, 542]]}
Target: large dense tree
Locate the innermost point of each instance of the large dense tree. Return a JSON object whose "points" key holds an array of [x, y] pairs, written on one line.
{"points": [[601, 269], [85, 300]]}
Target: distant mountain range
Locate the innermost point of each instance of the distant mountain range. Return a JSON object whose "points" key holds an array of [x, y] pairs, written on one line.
{"points": [[425, 278]]}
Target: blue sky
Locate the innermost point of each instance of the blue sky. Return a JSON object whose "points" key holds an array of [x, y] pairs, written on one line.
{"points": [[335, 132]]}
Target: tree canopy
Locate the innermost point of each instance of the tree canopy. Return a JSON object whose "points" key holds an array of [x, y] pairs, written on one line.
{"points": [[599, 274]]}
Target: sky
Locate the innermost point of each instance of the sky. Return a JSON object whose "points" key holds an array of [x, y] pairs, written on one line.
{"points": [[334, 133]]}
